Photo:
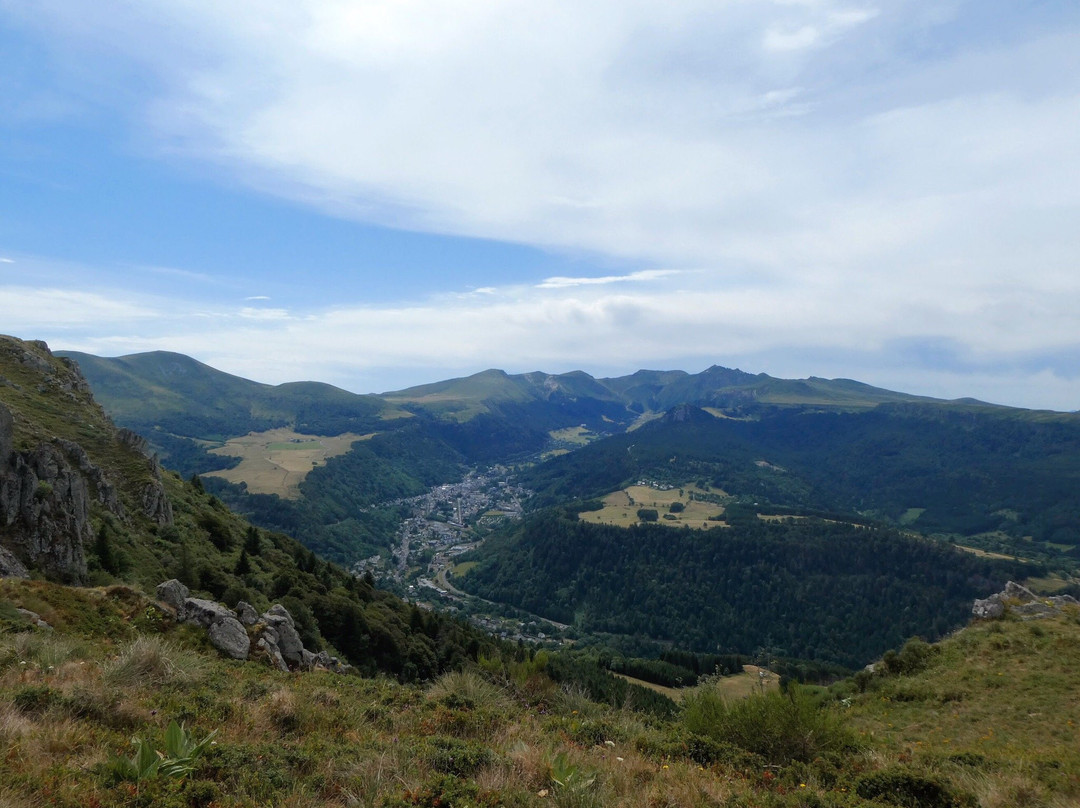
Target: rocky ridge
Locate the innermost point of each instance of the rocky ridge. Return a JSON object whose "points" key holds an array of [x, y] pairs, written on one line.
{"points": [[231, 631], [1022, 602], [49, 484]]}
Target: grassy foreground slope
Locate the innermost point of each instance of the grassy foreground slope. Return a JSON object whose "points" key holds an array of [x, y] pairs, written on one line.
{"points": [[986, 719]]}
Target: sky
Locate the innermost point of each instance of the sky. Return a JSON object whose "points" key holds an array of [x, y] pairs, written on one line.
{"points": [[381, 193]]}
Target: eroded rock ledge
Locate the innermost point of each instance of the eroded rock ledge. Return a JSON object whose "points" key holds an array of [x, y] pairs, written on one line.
{"points": [[1021, 601]]}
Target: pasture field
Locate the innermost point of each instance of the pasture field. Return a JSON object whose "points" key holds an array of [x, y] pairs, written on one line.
{"points": [[620, 507], [277, 461], [575, 435], [752, 680]]}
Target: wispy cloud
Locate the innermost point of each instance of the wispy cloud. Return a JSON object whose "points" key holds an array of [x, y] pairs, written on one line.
{"points": [[257, 297], [643, 275]]}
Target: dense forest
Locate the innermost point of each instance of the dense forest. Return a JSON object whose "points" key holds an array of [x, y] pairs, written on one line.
{"points": [[931, 468], [806, 588]]}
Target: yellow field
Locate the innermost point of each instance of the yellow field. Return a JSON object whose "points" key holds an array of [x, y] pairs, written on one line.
{"points": [[276, 462], [620, 507], [736, 686], [577, 435]]}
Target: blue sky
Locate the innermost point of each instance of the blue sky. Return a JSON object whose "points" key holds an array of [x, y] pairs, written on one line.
{"points": [[379, 193]]}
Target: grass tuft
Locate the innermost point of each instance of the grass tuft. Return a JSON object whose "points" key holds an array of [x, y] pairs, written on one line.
{"points": [[151, 660]]}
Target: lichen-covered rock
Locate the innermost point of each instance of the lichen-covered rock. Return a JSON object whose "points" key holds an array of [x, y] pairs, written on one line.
{"points": [[288, 640], [988, 608], [172, 593], [203, 612], [104, 490], [229, 637], [246, 613], [1022, 602]]}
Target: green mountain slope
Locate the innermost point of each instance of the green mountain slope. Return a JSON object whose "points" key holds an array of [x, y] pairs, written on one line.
{"points": [[81, 501], [937, 469]]}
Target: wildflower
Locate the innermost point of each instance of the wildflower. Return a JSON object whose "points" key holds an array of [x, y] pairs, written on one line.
{"points": [[802, 785]]}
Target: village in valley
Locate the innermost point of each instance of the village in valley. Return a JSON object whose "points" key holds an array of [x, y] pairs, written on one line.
{"points": [[446, 522]]}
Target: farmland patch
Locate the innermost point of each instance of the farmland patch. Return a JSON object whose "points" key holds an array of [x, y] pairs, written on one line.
{"points": [[277, 461]]}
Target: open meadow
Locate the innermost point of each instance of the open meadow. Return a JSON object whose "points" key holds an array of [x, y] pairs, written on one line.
{"points": [[277, 461], [621, 507]]}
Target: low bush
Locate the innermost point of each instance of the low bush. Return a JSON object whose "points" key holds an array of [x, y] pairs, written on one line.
{"points": [[780, 727]]}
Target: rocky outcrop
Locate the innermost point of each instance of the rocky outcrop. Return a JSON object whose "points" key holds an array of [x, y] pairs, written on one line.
{"points": [[44, 507], [10, 566], [1022, 602], [155, 503], [104, 490], [274, 631], [173, 593]]}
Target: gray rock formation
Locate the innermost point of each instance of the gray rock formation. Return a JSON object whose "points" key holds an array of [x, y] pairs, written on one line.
{"points": [[229, 637], [269, 647], [281, 631], [10, 566], [246, 613], [34, 618], [173, 593], [1029, 607], [44, 507], [203, 612]]}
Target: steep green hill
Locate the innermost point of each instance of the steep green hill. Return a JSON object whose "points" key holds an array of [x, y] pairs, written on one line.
{"points": [[81, 501]]}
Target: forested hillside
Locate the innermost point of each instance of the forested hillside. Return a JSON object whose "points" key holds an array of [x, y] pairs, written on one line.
{"points": [[929, 468], [806, 588]]}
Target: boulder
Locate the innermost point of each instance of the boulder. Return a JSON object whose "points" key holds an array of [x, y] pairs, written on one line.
{"points": [[288, 640], [229, 637], [271, 650], [34, 618], [1018, 592], [203, 612], [172, 593], [246, 613], [988, 608]]}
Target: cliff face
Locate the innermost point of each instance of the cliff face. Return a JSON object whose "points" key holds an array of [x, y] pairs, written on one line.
{"points": [[44, 507], [62, 461]]}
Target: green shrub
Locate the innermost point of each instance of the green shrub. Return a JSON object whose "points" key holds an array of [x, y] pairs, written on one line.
{"points": [[907, 788], [35, 698], [780, 727], [459, 758]]}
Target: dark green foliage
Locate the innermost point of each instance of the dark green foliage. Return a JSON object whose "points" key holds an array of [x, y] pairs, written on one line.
{"points": [[647, 515], [970, 469], [606, 688], [820, 590], [456, 757], [780, 727], [35, 698], [677, 507], [908, 788]]}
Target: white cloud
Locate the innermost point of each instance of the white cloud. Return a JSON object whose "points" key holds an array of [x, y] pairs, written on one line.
{"points": [[839, 175], [7, 260], [643, 275], [257, 297]]}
